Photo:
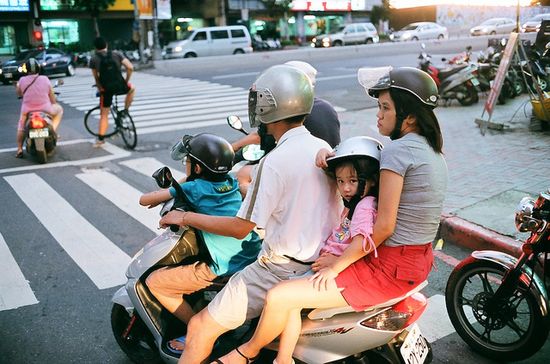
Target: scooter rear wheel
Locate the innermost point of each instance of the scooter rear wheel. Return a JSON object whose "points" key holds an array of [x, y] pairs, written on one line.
{"points": [[137, 342], [471, 97], [514, 331]]}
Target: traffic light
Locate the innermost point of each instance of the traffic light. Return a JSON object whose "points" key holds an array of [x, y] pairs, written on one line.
{"points": [[37, 33]]}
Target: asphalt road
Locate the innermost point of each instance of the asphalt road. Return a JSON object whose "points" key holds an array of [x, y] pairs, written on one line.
{"points": [[53, 306]]}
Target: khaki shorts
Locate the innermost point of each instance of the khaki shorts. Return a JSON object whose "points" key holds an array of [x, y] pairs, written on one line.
{"points": [[180, 280], [243, 296]]}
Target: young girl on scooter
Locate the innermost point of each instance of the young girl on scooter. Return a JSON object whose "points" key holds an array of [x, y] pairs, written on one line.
{"points": [[208, 189]]}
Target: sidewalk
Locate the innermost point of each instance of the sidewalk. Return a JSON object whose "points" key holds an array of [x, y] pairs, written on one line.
{"points": [[488, 174]]}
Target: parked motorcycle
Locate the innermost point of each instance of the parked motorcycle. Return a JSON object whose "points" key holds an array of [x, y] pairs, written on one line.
{"points": [[142, 327], [455, 83], [499, 304]]}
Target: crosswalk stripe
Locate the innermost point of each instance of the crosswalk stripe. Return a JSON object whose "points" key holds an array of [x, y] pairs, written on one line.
{"points": [[15, 290], [148, 165], [102, 261], [122, 195]]}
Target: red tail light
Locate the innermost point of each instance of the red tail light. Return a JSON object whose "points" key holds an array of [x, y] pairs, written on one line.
{"points": [[414, 305], [37, 121], [400, 316]]}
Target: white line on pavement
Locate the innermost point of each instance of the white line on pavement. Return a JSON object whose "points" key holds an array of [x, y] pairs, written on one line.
{"points": [[148, 165], [122, 195], [235, 75], [15, 290], [102, 261]]}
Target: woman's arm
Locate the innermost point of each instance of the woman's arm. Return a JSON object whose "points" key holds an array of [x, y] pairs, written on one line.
{"points": [[18, 90], [152, 199], [52, 97], [252, 138], [221, 225]]}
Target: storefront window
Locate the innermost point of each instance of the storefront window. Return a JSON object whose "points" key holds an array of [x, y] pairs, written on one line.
{"points": [[56, 4], [7, 40], [60, 31]]}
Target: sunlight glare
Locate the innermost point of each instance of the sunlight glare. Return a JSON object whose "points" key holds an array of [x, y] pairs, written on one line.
{"points": [[399, 4]]}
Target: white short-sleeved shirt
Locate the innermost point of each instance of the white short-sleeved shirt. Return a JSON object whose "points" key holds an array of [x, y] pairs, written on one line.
{"points": [[293, 200]]}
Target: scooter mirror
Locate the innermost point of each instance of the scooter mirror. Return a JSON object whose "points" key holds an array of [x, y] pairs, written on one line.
{"points": [[423, 46], [236, 123], [253, 152], [163, 177]]}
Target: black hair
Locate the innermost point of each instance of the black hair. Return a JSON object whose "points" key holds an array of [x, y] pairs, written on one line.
{"points": [[205, 174], [408, 104], [296, 119], [367, 169], [100, 43]]}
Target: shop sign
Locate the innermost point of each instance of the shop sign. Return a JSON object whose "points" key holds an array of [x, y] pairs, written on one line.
{"points": [[14, 5], [334, 5]]}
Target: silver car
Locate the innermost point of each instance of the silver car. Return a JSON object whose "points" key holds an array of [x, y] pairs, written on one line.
{"points": [[494, 26], [420, 31], [357, 33], [533, 24]]}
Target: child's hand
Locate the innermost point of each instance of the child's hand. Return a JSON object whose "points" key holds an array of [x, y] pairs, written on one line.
{"points": [[324, 261], [173, 218], [321, 158], [323, 278]]}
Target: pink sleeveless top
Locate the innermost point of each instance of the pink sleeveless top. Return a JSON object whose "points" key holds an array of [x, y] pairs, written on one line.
{"points": [[36, 96]]}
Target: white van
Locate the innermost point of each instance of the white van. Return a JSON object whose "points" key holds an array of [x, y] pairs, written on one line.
{"points": [[210, 41]]}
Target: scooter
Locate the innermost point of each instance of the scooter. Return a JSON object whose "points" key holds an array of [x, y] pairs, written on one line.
{"points": [[142, 327], [458, 82], [497, 303], [40, 138]]}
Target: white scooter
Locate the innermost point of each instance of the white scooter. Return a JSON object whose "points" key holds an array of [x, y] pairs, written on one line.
{"points": [[141, 326]]}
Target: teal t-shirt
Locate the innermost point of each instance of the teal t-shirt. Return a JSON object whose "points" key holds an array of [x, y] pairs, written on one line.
{"points": [[230, 255]]}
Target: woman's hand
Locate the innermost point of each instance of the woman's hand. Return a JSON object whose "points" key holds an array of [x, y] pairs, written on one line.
{"points": [[173, 218], [321, 158], [324, 261], [322, 278]]}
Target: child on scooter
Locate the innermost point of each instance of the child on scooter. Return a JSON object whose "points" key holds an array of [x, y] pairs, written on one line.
{"points": [[210, 190], [355, 168]]}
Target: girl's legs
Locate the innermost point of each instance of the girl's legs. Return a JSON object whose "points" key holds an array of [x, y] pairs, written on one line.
{"points": [[20, 134], [289, 337], [56, 116], [281, 300]]}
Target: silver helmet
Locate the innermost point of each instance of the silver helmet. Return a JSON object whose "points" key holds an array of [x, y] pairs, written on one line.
{"points": [[280, 92], [355, 147]]}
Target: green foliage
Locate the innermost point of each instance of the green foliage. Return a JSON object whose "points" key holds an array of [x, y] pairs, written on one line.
{"points": [[380, 12], [276, 6]]}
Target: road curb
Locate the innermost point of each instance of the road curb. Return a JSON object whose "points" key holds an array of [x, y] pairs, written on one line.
{"points": [[461, 232]]}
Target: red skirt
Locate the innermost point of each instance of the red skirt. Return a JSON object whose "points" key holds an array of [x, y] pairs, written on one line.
{"points": [[371, 281]]}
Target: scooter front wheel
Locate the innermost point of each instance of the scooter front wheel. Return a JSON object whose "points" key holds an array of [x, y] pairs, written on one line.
{"points": [[132, 336], [470, 96], [514, 329]]}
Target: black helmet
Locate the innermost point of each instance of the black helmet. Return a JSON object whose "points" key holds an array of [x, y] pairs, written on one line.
{"points": [[410, 79], [210, 150], [32, 66]]}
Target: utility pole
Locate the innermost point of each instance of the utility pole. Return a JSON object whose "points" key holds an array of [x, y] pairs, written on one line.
{"points": [[156, 44], [517, 18]]}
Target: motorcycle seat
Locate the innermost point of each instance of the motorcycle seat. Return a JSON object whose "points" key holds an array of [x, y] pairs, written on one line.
{"points": [[326, 313], [444, 73]]}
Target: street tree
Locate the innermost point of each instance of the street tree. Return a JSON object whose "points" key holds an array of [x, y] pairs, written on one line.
{"points": [[380, 13], [277, 8], [94, 7]]}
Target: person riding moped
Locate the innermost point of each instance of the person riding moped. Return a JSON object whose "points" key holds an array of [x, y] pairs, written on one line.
{"points": [[292, 199], [38, 95]]}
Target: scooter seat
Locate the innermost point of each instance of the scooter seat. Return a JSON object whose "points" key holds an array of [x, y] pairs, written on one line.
{"points": [[326, 313], [444, 73]]}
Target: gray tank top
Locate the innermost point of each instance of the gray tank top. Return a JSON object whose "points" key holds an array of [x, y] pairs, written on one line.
{"points": [[424, 187]]}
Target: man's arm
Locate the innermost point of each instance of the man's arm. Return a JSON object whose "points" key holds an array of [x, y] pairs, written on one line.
{"points": [[96, 77], [129, 68], [221, 225]]}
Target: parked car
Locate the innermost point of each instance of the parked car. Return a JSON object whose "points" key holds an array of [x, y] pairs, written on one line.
{"points": [[494, 26], [357, 33], [52, 61], [211, 41], [420, 31], [533, 24]]}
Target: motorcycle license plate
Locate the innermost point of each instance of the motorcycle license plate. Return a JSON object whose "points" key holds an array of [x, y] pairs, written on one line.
{"points": [[39, 133], [475, 82], [415, 348]]}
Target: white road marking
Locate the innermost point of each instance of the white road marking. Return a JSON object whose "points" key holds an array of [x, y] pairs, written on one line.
{"points": [[434, 322], [15, 290], [122, 195], [148, 165], [114, 153], [102, 261], [235, 75]]}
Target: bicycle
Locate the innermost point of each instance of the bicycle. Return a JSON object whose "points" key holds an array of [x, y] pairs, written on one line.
{"points": [[118, 123]]}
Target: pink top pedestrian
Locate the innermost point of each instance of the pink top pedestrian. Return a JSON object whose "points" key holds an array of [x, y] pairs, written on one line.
{"points": [[36, 95], [362, 223]]}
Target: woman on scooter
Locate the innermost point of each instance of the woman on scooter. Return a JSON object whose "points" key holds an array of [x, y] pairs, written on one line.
{"points": [[209, 190], [413, 180], [38, 95]]}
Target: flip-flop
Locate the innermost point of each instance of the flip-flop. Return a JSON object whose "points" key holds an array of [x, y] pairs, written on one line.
{"points": [[19, 154], [248, 360], [180, 339]]}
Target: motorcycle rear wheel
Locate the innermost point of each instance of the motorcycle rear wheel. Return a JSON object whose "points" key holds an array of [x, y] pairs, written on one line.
{"points": [[515, 332], [471, 96], [139, 344]]}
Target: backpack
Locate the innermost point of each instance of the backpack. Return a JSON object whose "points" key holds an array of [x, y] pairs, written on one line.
{"points": [[110, 75]]}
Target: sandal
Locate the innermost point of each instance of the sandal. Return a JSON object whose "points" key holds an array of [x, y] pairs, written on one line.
{"points": [[173, 350], [19, 154], [248, 360]]}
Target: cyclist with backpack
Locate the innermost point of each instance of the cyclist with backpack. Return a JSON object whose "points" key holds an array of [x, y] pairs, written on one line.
{"points": [[106, 67]]}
